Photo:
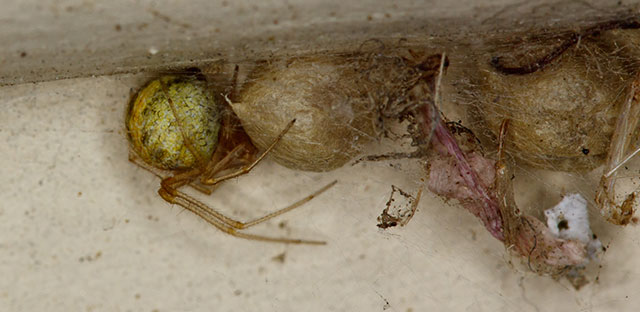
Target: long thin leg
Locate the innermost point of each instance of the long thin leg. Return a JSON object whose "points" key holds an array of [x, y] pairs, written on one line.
{"points": [[214, 168], [247, 168], [226, 224], [136, 160], [215, 218], [168, 192], [206, 189], [205, 215], [290, 207]]}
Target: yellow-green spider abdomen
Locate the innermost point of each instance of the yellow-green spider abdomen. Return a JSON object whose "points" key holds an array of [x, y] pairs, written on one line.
{"points": [[157, 131]]}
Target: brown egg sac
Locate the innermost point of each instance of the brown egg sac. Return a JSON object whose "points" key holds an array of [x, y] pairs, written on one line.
{"points": [[330, 103], [625, 43], [563, 115]]}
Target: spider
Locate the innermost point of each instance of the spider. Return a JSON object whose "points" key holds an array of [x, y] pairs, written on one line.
{"points": [[175, 125]]}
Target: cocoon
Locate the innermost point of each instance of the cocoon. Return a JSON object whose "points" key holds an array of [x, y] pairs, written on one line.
{"points": [[563, 115], [328, 99]]}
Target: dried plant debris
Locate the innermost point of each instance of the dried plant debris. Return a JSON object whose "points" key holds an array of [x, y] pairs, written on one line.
{"points": [[413, 73], [399, 209], [484, 187], [619, 154], [545, 251], [574, 107], [458, 169]]}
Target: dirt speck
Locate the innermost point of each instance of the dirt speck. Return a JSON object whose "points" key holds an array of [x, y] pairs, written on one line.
{"points": [[90, 258], [280, 258], [563, 225]]}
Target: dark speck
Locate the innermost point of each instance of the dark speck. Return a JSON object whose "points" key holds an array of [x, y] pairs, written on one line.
{"points": [[585, 151], [279, 258], [23, 54], [563, 225]]}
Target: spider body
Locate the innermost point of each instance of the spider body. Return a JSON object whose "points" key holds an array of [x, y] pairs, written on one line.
{"points": [[179, 132], [154, 127]]}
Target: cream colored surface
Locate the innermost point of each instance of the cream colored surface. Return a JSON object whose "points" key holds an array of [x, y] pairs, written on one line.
{"points": [[82, 229]]}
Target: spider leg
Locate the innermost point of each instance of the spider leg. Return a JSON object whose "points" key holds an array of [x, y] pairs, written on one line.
{"points": [[205, 213], [292, 206], [136, 160], [161, 174], [207, 178], [214, 167], [228, 225]]}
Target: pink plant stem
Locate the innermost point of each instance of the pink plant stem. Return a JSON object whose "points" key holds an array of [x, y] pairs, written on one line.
{"points": [[490, 210]]}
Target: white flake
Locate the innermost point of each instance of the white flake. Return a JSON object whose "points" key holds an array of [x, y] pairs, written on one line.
{"points": [[569, 220]]}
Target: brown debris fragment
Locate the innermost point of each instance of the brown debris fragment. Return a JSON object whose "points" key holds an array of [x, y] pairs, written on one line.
{"points": [[398, 211], [484, 187], [626, 127]]}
